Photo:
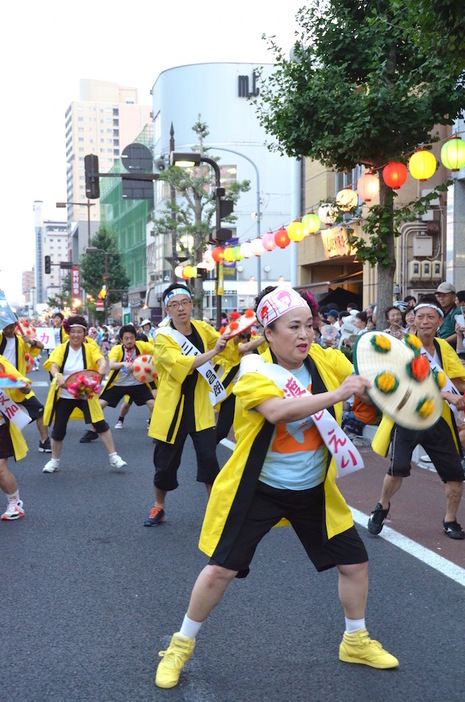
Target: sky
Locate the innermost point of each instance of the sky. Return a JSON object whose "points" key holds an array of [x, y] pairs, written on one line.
{"points": [[49, 47]]}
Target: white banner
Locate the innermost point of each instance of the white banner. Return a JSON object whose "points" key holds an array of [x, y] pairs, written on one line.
{"points": [[13, 411]]}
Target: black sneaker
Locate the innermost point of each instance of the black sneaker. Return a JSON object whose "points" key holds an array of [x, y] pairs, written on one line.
{"points": [[88, 437], [453, 530], [376, 521], [45, 446]]}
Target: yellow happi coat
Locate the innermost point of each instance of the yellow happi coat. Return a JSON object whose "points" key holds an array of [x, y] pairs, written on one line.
{"points": [[173, 367], [116, 354], [22, 348], [92, 355], [234, 487], [17, 438], [453, 368]]}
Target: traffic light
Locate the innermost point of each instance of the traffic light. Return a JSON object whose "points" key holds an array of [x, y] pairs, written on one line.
{"points": [[92, 177], [47, 264], [224, 208], [124, 300]]}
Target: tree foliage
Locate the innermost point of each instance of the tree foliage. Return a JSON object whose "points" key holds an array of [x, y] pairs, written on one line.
{"points": [[93, 267], [444, 17], [192, 218], [361, 88], [63, 298]]}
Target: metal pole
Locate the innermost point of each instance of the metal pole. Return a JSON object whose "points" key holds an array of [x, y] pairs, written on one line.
{"points": [[88, 222], [172, 205], [216, 169], [238, 153]]}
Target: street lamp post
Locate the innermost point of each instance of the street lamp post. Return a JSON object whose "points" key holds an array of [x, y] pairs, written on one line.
{"points": [[87, 204], [193, 158], [257, 174]]}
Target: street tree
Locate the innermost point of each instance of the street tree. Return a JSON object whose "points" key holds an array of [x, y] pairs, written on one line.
{"points": [[360, 88], [191, 217], [93, 268]]}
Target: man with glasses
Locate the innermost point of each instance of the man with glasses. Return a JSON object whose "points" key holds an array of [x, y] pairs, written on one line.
{"points": [[188, 388]]}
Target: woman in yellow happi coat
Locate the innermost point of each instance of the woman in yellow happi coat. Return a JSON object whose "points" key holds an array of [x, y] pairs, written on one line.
{"points": [[279, 469]]}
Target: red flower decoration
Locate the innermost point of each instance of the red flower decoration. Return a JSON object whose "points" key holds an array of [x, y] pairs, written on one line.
{"points": [[420, 368]]}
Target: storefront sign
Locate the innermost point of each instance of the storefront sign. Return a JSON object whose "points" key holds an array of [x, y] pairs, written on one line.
{"points": [[75, 282], [336, 242]]}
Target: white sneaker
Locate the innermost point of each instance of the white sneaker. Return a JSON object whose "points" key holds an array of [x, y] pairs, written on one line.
{"points": [[117, 462], [14, 510], [119, 424], [51, 466]]}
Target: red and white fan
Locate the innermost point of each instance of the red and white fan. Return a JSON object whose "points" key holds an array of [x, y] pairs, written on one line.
{"points": [[144, 369], [239, 323]]}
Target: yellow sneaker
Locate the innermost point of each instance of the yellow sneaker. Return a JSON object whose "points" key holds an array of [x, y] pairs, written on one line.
{"points": [[173, 660], [359, 648]]}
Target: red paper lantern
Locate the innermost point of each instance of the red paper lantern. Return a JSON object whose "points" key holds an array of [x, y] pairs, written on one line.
{"points": [[395, 174], [281, 238], [368, 186], [218, 254]]}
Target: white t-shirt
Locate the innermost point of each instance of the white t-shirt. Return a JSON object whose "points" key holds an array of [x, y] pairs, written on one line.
{"points": [[73, 363], [10, 351]]}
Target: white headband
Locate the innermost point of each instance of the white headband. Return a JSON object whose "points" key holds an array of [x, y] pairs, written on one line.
{"points": [[78, 325], [278, 302], [177, 291], [431, 306]]}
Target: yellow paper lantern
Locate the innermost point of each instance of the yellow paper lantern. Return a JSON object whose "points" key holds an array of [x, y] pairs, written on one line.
{"points": [[422, 165], [229, 254], [295, 231]]}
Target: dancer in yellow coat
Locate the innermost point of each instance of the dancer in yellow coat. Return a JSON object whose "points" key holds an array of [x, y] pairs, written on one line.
{"points": [[73, 356], [14, 348], [281, 468], [12, 444], [183, 407]]}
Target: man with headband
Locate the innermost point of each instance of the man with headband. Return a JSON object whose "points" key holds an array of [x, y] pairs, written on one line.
{"points": [[284, 467], [187, 383], [440, 441]]}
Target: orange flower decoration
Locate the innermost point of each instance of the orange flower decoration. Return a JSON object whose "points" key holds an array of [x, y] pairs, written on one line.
{"points": [[419, 368]]}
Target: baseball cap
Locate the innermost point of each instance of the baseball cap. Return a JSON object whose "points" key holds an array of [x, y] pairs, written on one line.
{"points": [[445, 288]]}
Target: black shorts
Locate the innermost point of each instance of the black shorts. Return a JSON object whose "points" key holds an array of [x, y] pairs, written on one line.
{"points": [[140, 394], [305, 511], [63, 411], [6, 444], [33, 407], [438, 444], [167, 457]]}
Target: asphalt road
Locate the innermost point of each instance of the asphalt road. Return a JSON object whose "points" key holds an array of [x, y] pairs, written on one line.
{"points": [[89, 596]]}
